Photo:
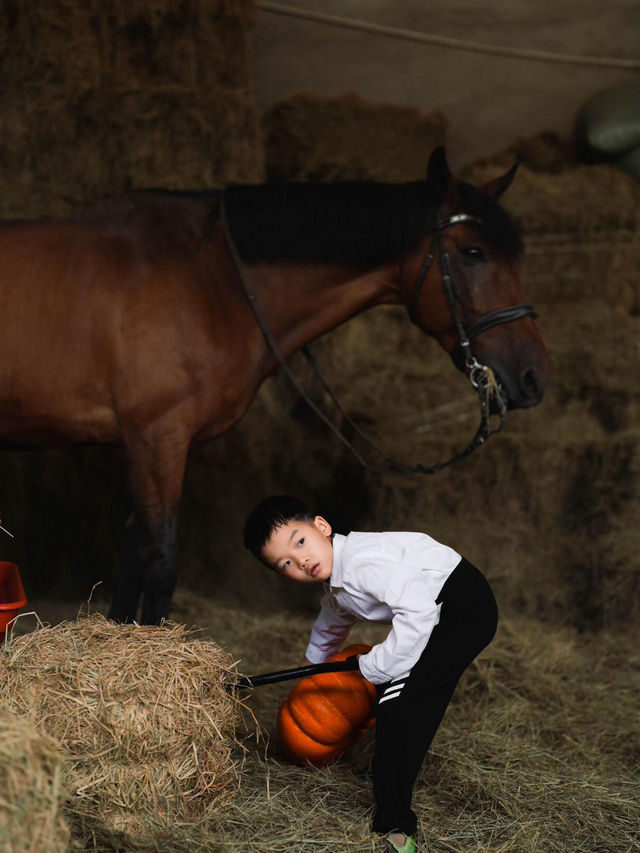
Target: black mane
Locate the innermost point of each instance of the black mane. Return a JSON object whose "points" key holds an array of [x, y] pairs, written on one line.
{"points": [[361, 222]]}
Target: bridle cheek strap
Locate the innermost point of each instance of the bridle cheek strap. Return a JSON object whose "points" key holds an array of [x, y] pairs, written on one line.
{"points": [[456, 219], [425, 266]]}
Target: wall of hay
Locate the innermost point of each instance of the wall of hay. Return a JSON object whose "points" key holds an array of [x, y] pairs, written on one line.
{"points": [[548, 508], [101, 97], [310, 138]]}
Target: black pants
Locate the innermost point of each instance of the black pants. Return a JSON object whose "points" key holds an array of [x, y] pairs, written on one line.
{"points": [[407, 720]]}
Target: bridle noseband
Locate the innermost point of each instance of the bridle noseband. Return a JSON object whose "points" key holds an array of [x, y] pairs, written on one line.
{"points": [[481, 376]]}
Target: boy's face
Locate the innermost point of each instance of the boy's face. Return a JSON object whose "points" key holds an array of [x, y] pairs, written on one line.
{"points": [[301, 550]]}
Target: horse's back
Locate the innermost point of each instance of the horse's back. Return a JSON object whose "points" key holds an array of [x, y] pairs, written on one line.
{"points": [[55, 278], [63, 289], [57, 285], [111, 312]]}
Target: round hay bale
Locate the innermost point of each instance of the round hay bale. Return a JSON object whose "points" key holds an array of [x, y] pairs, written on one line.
{"points": [[31, 788], [142, 712]]}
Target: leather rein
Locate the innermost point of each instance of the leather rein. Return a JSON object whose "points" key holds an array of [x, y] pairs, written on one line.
{"points": [[480, 375]]}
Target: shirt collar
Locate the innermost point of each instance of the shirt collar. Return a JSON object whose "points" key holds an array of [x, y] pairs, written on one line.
{"points": [[337, 569]]}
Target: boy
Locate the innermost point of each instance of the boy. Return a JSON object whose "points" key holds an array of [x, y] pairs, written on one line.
{"points": [[442, 614]]}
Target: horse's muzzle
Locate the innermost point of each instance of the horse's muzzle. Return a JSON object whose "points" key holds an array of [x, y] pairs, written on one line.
{"points": [[520, 392], [531, 388], [526, 391]]}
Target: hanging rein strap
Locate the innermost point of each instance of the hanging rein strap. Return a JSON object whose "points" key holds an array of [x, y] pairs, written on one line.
{"points": [[251, 297], [481, 376]]}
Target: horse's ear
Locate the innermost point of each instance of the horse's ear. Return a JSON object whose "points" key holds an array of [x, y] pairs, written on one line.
{"points": [[438, 172], [498, 186]]}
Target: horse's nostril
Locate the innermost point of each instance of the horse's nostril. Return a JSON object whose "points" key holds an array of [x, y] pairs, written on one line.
{"points": [[529, 383]]}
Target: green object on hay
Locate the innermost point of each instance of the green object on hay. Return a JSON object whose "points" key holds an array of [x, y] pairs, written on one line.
{"points": [[607, 126], [408, 847]]}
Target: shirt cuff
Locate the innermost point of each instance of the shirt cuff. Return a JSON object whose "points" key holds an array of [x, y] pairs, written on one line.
{"points": [[315, 654], [369, 672]]}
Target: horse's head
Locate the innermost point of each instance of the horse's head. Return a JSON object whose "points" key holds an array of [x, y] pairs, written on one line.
{"points": [[463, 285]]}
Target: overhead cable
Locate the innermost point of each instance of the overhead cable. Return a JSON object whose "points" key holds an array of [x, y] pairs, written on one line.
{"points": [[446, 41]]}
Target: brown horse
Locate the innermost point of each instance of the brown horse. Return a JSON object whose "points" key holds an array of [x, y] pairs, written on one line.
{"points": [[128, 325]]}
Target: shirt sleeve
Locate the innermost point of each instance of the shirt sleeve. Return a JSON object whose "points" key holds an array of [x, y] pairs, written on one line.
{"points": [[408, 593], [329, 630]]}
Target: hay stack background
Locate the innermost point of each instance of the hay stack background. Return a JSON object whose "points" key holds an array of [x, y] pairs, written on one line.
{"points": [[310, 138], [537, 747], [141, 712], [97, 98], [32, 788], [550, 505], [548, 508]]}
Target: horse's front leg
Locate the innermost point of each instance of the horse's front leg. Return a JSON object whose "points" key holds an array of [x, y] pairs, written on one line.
{"points": [[149, 567]]}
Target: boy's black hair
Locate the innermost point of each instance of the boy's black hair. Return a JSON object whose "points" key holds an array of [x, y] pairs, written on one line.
{"points": [[267, 516]]}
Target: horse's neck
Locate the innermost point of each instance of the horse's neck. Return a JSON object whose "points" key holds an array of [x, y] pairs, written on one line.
{"points": [[306, 302]]}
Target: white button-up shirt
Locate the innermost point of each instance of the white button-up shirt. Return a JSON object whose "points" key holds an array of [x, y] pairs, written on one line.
{"points": [[383, 577]]}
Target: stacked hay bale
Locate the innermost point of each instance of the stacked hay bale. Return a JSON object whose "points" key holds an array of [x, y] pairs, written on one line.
{"points": [[142, 714], [32, 788], [311, 138], [579, 450], [97, 98]]}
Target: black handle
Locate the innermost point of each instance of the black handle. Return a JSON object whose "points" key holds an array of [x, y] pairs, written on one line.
{"points": [[348, 665]]}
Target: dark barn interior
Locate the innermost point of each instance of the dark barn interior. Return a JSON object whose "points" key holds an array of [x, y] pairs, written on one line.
{"points": [[101, 98]]}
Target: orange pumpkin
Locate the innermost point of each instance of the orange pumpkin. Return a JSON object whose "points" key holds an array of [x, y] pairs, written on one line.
{"points": [[324, 714]]}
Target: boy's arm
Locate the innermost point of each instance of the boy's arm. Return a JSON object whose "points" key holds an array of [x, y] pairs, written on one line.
{"points": [[415, 615], [328, 633]]}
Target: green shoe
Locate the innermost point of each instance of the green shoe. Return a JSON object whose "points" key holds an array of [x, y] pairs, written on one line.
{"points": [[401, 843]]}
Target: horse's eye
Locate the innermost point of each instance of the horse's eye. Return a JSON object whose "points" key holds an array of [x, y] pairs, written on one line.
{"points": [[474, 255]]}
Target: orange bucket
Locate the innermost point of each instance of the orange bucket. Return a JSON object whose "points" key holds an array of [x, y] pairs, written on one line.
{"points": [[12, 595]]}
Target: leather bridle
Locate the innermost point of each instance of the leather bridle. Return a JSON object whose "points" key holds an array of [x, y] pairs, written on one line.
{"points": [[486, 321], [480, 375]]}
